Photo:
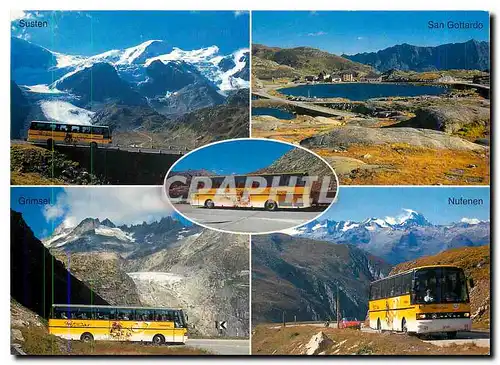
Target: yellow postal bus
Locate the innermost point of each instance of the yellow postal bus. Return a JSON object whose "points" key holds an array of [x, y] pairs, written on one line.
{"points": [[96, 322], [285, 197], [50, 133], [427, 299]]}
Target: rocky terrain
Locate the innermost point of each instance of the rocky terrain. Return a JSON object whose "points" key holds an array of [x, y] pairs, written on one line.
{"points": [[418, 137], [470, 55], [398, 239], [163, 263], [476, 263], [300, 276], [298, 160]]}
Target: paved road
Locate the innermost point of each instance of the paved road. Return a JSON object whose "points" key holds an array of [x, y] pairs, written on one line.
{"points": [[479, 338], [221, 347], [310, 106], [247, 220]]}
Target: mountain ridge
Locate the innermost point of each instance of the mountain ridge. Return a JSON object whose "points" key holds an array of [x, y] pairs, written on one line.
{"points": [[470, 55]]}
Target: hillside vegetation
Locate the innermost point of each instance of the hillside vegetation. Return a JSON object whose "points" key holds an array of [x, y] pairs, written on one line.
{"points": [[299, 61], [476, 263]]}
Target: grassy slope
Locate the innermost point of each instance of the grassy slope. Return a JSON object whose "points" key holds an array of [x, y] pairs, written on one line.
{"points": [[32, 165], [476, 263], [292, 341]]}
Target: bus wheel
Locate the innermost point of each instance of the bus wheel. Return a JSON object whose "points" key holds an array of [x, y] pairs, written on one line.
{"points": [[404, 328], [209, 204], [271, 205], [50, 143], [158, 339], [86, 337], [379, 325], [451, 335]]}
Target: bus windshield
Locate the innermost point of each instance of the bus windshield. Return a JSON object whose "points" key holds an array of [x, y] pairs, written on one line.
{"points": [[440, 285]]}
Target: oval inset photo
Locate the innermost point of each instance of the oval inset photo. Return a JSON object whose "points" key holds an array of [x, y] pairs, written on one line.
{"points": [[251, 185]]}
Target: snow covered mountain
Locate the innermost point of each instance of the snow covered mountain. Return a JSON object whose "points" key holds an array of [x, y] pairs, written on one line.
{"points": [[131, 63], [91, 234], [153, 75], [398, 239]]}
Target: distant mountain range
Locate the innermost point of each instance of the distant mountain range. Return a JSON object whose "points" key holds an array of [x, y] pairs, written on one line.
{"points": [[298, 278], [470, 55], [152, 77], [398, 239], [162, 263]]}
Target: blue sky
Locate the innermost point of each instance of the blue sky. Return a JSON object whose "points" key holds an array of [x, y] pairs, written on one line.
{"points": [[234, 157], [92, 32], [359, 203], [351, 32], [120, 204]]}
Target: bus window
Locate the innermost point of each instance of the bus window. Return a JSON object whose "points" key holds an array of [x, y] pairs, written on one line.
{"points": [[124, 314], [75, 128], [406, 285], [240, 181], [86, 129], [453, 286], [375, 291], [217, 182], [144, 315], [103, 313], [178, 320], [285, 180], [398, 283], [105, 132], [61, 313], [96, 130], [61, 127], [80, 313]]}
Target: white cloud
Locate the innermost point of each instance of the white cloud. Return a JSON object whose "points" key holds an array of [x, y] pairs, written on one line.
{"points": [[317, 34], [122, 205], [470, 220], [237, 13], [19, 14], [360, 38]]}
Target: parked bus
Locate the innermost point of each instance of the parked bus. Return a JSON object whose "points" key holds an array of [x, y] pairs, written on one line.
{"points": [[50, 133], [427, 299], [97, 322], [302, 196]]}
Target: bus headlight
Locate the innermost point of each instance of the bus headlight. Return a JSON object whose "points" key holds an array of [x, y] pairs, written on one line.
{"points": [[466, 314], [421, 316]]}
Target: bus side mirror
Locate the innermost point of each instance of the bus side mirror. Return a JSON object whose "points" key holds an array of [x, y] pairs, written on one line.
{"points": [[471, 283]]}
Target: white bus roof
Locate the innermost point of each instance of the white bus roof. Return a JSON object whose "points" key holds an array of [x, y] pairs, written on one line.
{"points": [[110, 306]]}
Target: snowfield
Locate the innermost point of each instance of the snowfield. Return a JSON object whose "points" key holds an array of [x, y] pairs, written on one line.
{"points": [[62, 111]]}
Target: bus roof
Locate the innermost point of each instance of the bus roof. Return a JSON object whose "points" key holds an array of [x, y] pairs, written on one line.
{"points": [[250, 174], [413, 269], [109, 306], [84, 125]]}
